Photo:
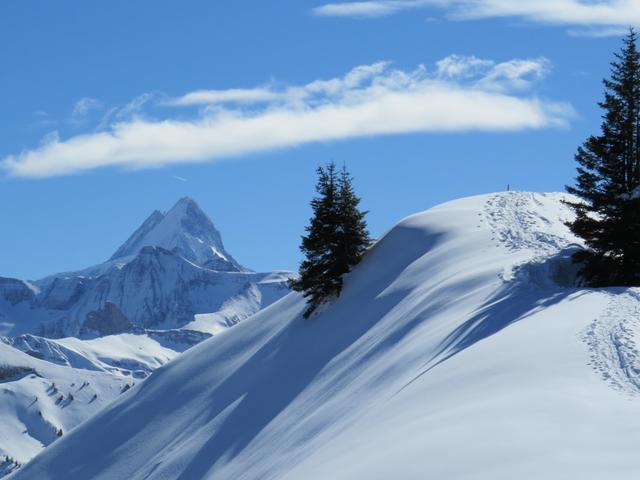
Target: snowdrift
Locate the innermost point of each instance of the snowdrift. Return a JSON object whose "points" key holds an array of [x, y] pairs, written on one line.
{"points": [[458, 349]]}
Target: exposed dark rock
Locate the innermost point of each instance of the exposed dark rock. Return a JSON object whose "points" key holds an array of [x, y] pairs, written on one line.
{"points": [[108, 320]]}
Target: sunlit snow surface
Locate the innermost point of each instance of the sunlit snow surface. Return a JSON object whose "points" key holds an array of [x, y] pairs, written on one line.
{"points": [[457, 350]]}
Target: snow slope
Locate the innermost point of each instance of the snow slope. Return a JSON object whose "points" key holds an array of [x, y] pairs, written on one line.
{"points": [[40, 400], [457, 350], [32, 410]]}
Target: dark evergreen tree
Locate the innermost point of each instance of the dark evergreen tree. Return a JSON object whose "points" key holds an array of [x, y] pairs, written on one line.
{"points": [[608, 180], [335, 241], [352, 235], [317, 246]]}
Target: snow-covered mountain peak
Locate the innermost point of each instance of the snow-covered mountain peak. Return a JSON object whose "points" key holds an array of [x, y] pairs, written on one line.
{"points": [[185, 230], [185, 203]]}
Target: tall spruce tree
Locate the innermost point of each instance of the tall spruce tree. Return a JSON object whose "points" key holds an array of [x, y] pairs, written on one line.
{"points": [[352, 235], [335, 241], [608, 180], [315, 279]]}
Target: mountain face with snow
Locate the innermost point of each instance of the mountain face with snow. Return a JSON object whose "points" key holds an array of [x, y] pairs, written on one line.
{"points": [[173, 267], [72, 342], [460, 348], [186, 231]]}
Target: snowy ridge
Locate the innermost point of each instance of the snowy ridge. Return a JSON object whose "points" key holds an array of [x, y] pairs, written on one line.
{"points": [[133, 355], [155, 290], [430, 349], [185, 230], [136, 241]]}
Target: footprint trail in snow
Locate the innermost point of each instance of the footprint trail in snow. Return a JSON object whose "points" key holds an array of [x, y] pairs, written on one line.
{"points": [[612, 340], [613, 337], [516, 221]]}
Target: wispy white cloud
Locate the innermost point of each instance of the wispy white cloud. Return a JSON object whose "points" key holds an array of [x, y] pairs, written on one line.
{"points": [[84, 106], [135, 107], [309, 94], [50, 137], [130, 111], [203, 97], [579, 13], [513, 74], [460, 94], [462, 66], [598, 31], [378, 8], [42, 120], [519, 74]]}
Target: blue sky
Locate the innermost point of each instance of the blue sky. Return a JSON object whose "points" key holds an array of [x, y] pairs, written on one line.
{"points": [[113, 109]]}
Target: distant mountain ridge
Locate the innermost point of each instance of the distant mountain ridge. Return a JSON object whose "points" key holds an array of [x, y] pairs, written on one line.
{"points": [[171, 268]]}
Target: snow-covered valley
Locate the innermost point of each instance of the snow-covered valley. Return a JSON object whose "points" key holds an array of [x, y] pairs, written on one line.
{"points": [[460, 348]]}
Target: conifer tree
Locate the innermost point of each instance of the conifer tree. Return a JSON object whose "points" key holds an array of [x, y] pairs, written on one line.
{"points": [[608, 180], [352, 236], [314, 280], [335, 241]]}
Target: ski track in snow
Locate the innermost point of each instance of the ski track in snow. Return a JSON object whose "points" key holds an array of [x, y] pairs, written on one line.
{"points": [[612, 338], [612, 342]]}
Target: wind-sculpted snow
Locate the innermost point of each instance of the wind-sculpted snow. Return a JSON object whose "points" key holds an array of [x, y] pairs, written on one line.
{"points": [[432, 363]]}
